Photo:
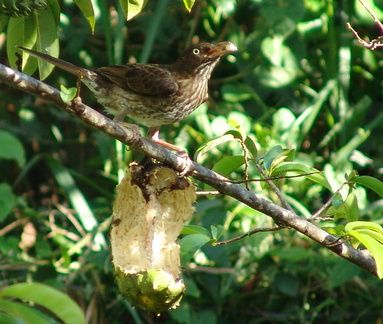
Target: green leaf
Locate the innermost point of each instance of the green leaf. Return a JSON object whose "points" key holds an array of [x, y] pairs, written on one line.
{"points": [[47, 39], [372, 245], [38, 31], [189, 4], [285, 155], [238, 127], [209, 145], [337, 200], [271, 155], [372, 233], [348, 209], [190, 244], [19, 313], [132, 8], [195, 229], [364, 225], [67, 94], [250, 145], [11, 148], [216, 232], [228, 164], [371, 183], [86, 7], [371, 236], [21, 31], [52, 299], [7, 200]]}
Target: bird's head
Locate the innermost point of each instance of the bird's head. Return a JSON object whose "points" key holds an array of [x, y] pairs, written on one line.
{"points": [[201, 58]]}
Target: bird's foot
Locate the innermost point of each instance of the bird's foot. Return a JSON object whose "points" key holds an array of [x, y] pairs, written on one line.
{"points": [[185, 163]]}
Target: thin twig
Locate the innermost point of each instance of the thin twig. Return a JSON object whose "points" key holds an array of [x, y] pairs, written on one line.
{"points": [[254, 231], [375, 43], [317, 216], [246, 174], [276, 190], [275, 177]]}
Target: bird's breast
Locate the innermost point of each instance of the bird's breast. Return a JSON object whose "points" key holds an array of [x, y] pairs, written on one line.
{"points": [[152, 111]]}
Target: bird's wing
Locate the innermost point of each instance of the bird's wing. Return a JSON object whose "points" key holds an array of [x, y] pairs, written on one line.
{"points": [[148, 79]]}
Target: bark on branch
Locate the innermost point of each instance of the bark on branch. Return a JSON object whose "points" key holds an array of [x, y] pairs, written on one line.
{"points": [[133, 139]]}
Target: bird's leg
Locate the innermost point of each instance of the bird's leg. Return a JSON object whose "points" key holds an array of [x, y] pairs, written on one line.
{"points": [[186, 162], [153, 134]]}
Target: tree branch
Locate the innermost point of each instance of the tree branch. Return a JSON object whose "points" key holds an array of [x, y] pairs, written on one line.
{"points": [[133, 139]]}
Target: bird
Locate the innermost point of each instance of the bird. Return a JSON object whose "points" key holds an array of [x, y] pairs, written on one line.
{"points": [[151, 94]]}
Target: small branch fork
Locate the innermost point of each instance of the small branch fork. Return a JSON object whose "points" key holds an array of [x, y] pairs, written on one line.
{"points": [[133, 139], [375, 43]]}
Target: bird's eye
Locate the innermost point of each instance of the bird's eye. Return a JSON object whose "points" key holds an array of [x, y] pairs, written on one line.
{"points": [[196, 51]]}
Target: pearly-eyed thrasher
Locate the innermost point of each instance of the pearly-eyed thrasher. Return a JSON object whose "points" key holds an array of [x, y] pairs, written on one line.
{"points": [[151, 94]]}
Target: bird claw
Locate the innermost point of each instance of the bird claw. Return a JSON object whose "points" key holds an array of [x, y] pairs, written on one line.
{"points": [[185, 163]]}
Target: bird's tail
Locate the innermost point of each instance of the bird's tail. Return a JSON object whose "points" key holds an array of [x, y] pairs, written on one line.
{"points": [[71, 68]]}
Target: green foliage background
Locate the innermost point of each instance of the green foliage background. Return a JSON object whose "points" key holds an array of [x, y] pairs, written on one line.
{"points": [[299, 80]]}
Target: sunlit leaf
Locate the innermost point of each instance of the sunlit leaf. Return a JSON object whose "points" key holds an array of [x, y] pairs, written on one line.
{"points": [[348, 210], [371, 183], [375, 247], [189, 4], [206, 147], [195, 229], [271, 155], [238, 127], [86, 6], [68, 311], [67, 94], [284, 156], [132, 8], [190, 244], [364, 225]]}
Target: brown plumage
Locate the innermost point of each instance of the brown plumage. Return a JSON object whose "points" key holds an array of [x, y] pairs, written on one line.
{"points": [[151, 94]]}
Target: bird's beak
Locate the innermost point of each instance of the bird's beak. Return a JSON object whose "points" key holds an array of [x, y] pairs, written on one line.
{"points": [[221, 49]]}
